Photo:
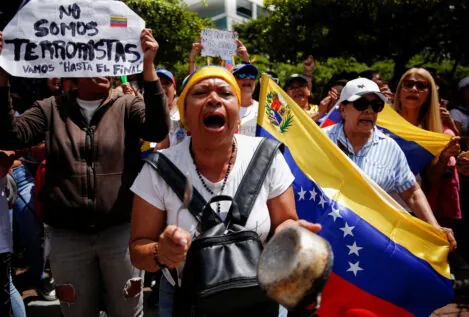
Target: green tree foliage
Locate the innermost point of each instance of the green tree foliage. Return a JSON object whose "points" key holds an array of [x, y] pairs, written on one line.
{"points": [[174, 27], [368, 30]]}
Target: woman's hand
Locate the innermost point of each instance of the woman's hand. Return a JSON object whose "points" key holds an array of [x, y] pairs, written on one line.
{"points": [[330, 100], [450, 236], [149, 46], [242, 51], [173, 245], [313, 227], [445, 116], [196, 48], [452, 149]]}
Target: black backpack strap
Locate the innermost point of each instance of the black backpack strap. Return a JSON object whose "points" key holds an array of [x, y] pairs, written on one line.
{"points": [[254, 176], [177, 181]]}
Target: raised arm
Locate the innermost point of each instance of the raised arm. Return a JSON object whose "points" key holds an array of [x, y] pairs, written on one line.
{"points": [[196, 47], [151, 118]]}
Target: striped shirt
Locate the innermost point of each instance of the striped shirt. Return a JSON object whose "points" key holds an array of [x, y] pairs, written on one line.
{"points": [[380, 158]]}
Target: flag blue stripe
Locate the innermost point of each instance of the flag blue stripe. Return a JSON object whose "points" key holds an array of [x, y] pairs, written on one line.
{"points": [[390, 271], [417, 156]]}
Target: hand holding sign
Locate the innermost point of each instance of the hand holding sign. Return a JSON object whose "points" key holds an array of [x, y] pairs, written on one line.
{"points": [[242, 51], [149, 46]]}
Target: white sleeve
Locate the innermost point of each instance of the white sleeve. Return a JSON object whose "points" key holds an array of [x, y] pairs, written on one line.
{"points": [[279, 177], [150, 187]]}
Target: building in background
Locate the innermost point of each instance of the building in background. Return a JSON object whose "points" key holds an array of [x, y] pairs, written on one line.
{"points": [[226, 13]]}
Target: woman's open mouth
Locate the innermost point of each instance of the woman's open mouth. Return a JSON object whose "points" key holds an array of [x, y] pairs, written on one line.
{"points": [[214, 123], [366, 121]]}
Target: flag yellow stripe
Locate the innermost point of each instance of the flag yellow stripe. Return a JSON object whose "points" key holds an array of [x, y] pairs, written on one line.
{"points": [[433, 142], [323, 162], [118, 19]]}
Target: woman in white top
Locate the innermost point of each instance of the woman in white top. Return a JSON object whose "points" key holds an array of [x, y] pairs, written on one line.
{"points": [[215, 159]]}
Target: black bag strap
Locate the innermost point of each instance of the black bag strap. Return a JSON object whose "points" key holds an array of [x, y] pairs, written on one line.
{"points": [[254, 177], [248, 189], [210, 218], [177, 181]]}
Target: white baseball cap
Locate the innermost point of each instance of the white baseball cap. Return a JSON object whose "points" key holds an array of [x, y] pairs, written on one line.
{"points": [[357, 88]]}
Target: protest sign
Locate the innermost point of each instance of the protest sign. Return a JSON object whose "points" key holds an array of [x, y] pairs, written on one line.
{"points": [[73, 38], [218, 43]]}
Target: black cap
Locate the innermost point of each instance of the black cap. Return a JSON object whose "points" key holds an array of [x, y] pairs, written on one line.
{"points": [[293, 78]]}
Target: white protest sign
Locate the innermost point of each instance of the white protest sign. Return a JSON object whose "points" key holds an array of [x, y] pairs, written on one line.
{"points": [[73, 38], [218, 43]]}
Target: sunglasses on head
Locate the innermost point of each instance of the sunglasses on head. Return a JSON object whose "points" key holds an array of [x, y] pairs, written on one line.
{"points": [[244, 75], [362, 104], [409, 84]]}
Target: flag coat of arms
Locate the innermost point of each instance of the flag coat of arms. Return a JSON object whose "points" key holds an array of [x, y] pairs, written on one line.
{"points": [[385, 260]]}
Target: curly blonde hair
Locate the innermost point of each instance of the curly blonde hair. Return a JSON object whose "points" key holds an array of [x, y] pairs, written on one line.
{"points": [[429, 116]]}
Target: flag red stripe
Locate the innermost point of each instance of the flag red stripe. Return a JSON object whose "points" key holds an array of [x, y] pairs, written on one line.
{"points": [[339, 295]]}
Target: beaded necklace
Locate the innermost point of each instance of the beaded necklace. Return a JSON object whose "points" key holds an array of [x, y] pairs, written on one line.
{"points": [[230, 163]]}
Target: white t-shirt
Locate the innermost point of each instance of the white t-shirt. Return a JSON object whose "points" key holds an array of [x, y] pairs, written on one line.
{"points": [[88, 107], [177, 133], [5, 228], [248, 116], [153, 189]]}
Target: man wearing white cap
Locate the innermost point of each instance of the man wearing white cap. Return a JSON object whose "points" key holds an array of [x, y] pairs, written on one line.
{"points": [[379, 156], [460, 114]]}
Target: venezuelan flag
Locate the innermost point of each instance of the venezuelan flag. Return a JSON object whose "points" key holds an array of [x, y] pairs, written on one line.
{"points": [[228, 64], [419, 146], [385, 260], [119, 22]]}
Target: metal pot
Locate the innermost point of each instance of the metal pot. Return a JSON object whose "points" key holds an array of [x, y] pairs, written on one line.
{"points": [[293, 268]]}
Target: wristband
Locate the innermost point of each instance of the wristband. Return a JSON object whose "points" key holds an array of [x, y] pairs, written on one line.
{"points": [[155, 256]]}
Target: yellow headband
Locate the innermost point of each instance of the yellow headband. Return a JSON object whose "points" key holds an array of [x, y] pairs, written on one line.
{"points": [[198, 76]]}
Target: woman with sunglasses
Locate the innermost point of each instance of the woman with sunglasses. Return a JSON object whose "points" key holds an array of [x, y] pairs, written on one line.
{"points": [[417, 101], [379, 156]]}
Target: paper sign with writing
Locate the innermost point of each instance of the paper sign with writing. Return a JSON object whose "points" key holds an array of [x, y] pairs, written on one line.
{"points": [[73, 38], [218, 43]]}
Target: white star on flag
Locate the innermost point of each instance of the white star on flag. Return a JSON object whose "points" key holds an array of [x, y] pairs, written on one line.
{"points": [[322, 201], [302, 194], [354, 248], [335, 213], [347, 230], [354, 268], [313, 194]]}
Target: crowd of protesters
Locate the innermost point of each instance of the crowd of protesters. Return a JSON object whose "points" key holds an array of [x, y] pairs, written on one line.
{"points": [[72, 162]]}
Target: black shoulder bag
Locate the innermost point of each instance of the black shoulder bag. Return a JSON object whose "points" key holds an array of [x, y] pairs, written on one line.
{"points": [[220, 272]]}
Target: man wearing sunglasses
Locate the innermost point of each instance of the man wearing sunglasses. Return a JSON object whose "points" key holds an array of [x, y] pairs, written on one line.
{"points": [[379, 156], [246, 75]]}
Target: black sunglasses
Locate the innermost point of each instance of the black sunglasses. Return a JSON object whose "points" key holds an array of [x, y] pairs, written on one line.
{"points": [[409, 84], [362, 104]]}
